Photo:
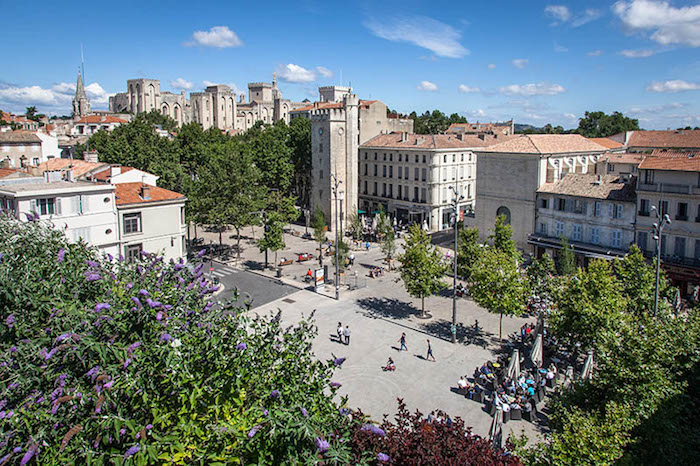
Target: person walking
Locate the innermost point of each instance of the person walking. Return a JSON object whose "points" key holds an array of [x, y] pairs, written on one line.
{"points": [[339, 331], [402, 340], [347, 334], [430, 352]]}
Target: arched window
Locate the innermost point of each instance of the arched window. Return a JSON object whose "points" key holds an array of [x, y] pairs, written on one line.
{"points": [[504, 211]]}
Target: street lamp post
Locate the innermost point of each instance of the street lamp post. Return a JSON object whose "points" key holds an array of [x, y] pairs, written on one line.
{"points": [[455, 203], [662, 220], [337, 195], [306, 216]]}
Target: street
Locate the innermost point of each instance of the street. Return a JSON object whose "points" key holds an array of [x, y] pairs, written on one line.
{"points": [[256, 289]]}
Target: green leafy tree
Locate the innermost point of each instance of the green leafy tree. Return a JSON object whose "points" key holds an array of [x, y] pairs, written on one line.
{"points": [[601, 125], [388, 246], [540, 277], [468, 251], [31, 113], [421, 266], [502, 237], [497, 285], [638, 279], [355, 226], [566, 260], [300, 143], [273, 237], [154, 117]]}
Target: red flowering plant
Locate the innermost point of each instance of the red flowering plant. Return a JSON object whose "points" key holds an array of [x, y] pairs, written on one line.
{"points": [[413, 439]]}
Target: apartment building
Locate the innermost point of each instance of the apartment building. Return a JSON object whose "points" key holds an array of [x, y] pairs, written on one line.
{"points": [[670, 181], [595, 213], [20, 149], [410, 176], [511, 173]]}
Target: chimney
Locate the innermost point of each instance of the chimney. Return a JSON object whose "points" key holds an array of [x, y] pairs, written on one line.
{"points": [[599, 180], [404, 136], [115, 170], [103, 118], [145, 192], [91, 156], [70, 176]]}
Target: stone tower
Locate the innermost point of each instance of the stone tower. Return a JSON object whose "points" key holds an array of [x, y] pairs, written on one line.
{"points": [[81, 103]]}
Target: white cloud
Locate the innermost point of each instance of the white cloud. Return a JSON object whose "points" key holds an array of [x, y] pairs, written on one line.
{"points": [[440, 38], [427, 86], [656, 109], [637, 53], [56, 99], [292, 73], [667, 24], [478, 113], [595, 53], [560, 48], [532, 89], [209, 83], [520, 62], [586, 17], [325, 72], [492, 66], [675, 85], [560, 13], [218, 36], [464, 89], [570, 116], [180, 83]]}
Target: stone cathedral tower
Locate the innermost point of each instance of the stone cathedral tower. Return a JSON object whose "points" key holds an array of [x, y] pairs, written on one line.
{"points": [[81, 103]]}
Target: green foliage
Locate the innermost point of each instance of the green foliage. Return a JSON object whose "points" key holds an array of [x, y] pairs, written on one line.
{"points": [[156, 118], [300, 143], [497, 284], [388, 246], [540, 277], [566, 260], [468, 251], [355, 226], [644, 388], [100, 359], [273, 238], [31, 113], [502, 238], [601, 125], [434, 122], [421, 266]]}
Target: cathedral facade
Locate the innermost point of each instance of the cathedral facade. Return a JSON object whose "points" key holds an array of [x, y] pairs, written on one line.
{"points": [[217, 107]]}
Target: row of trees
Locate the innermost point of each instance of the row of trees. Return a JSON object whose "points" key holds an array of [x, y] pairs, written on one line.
{"points": [[258, 177], [591, 125]]}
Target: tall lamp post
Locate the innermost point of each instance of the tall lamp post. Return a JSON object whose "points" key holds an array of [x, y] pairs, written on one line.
{"points": [[662, 220], [337, 194], [455, 204]]}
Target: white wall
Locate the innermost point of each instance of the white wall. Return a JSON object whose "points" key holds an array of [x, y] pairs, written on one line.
{"points": [[162, 230]]}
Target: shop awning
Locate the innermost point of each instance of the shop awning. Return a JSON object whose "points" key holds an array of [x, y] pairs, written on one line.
{"points": [[361, 211]]}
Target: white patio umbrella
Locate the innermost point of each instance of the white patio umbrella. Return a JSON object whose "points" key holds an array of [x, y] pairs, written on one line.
{"points": [[425, 225], [536, 353], [374, 223], [496, 431], [395, 222], [514, 365], [587, 372]]}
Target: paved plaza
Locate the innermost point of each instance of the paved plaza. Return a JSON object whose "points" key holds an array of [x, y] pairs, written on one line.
{"points": [[377, 315]]}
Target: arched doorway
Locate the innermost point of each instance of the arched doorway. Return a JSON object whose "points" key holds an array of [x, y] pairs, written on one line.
{"points": [[505, 212]]}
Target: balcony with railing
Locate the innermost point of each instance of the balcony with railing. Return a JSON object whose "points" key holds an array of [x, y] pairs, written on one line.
{"points": [[668, 188]]}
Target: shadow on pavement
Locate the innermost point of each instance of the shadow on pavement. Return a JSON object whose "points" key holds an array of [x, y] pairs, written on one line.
{"points": [[465, 335], [386, 307], [253, 265]]}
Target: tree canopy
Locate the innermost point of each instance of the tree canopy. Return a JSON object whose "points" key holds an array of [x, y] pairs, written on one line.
{"points": [[602, 125], [421, 267]]}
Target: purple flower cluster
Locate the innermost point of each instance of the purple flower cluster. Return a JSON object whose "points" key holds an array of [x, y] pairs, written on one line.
{"points": [[383, 458], [137, 302], [166, 338], [93, 373], [304, 412], [338, 362], [321, 445], [131, 451], [132, 347], [254, 431], [61, 255], [374, 429], [241, 346], [28, 456], [102, 306], [275, 394], [336, 384], [92, 276], [10, 320]]}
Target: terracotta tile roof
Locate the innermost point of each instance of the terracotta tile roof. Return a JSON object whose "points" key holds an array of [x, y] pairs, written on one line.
{"points": [[7, 172], [625, 157], [130, 193], [106, 174], [674, 153], [433, 141], [672, 160], [606, 142], [96, 119], [318, 106], [367, 103], [610, 188], [79, 167], [19, 137], [685, 139], [462, 127], [546, 144]]}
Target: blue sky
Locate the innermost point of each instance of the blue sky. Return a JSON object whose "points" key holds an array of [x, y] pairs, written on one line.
{"points": [[537, 62]]}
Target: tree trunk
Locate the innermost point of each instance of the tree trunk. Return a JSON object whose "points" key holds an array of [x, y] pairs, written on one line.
{"points": [[221, 229], [422, 305], [195, 230], [320, 254], [238, 244], [500, 327]]}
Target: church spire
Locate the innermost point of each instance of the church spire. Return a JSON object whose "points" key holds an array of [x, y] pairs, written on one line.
{"points": [[81, 103]]}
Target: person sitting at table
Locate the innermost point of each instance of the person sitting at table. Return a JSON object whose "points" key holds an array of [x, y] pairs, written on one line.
{"points": [[530, 391], [551, 371], [462, 383]]}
